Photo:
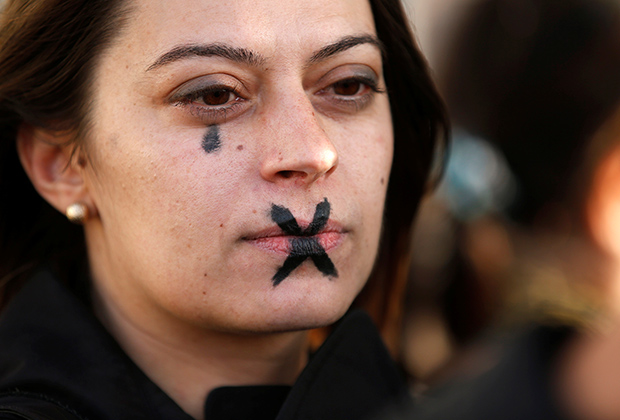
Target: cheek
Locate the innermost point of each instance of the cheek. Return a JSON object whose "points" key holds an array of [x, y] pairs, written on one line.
{"points": [[163, 210], [365, 164], [367, 158], [164, 186]]}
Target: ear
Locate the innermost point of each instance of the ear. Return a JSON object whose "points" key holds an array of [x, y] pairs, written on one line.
{"points": [[603, 204], [56, 173]]}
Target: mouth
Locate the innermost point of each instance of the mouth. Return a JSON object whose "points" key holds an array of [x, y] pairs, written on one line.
{"points": [[274, 239]]}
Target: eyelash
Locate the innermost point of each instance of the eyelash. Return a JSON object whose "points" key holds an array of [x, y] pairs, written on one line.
{"points": [[357, 101], [212, 113]]}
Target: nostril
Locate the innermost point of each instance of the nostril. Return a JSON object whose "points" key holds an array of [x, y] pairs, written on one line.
{"points": [[288, 174]]}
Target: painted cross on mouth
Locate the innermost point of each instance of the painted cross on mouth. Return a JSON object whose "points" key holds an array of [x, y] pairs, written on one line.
{"points": [[304, 245]]}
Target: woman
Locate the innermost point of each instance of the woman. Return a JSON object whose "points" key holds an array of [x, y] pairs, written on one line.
{"points": [[230, 166]]}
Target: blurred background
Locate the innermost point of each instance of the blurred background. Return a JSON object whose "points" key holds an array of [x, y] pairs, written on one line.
{"points": [[509, 236]]}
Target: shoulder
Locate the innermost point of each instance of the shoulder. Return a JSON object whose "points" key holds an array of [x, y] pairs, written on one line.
{"points": [[29, 406], [351, 376], [519, 386]]}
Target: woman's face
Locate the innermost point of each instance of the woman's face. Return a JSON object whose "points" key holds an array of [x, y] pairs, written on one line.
{"points": [[240, 155]]}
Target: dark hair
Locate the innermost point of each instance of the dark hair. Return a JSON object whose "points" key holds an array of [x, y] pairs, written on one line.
{"points": [[536, 78], [48, 49], [421, 130], [47, 53]]}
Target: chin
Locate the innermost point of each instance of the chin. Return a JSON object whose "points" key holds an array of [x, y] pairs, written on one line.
{"points": [[304, 321], [302, 311]]}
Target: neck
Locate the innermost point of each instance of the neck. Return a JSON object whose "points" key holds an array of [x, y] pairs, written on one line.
{"points": [[189, 362]]}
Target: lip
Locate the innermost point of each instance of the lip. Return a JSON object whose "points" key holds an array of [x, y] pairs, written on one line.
{"points": [[275, 240]]}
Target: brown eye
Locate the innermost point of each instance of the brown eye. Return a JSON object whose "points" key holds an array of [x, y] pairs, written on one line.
{"points": [[217, 97], [347, 87]]}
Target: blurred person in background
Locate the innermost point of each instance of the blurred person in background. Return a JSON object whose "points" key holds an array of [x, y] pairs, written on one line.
{"points": [[524, 229]]}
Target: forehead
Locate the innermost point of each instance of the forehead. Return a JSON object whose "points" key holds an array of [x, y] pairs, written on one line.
{"points": [[273, 27]]}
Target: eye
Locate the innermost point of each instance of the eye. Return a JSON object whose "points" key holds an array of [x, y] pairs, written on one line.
{"points": [[217, 96], [211, 98], [348, 87], [211, 91], [351, 90]]}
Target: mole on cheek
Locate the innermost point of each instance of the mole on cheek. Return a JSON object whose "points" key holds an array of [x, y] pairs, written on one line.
{"points": [[211, 141]]}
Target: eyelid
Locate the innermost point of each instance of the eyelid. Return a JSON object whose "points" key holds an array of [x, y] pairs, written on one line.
{"points": [[335, 104], [371, 83], [198, 85], [360, 72], [188, 96]]}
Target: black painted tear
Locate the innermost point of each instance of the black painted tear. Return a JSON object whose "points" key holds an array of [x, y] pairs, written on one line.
{"points": [[211, 142]]}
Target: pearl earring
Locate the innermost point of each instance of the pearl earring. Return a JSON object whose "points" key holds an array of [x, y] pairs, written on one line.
{"points": [[77, 213]]}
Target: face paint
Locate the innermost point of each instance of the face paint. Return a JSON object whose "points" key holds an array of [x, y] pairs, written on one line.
{"points": [[211, 141], [304, 245]]}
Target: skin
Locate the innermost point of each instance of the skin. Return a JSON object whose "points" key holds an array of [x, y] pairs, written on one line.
{"points": [[172, 219], [179, 278]]}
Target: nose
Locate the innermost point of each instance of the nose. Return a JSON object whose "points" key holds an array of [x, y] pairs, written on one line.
{"points": [[299, 150]]}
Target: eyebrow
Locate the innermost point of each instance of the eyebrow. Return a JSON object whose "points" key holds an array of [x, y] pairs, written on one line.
{"points": [[344, 44], [254, 59], [240, 55]]}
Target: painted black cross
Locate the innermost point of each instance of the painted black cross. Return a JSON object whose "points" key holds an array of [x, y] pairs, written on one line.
{"points": [[303, 245]]}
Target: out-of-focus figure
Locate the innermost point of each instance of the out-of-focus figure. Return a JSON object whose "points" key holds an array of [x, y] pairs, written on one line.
{"points": [[525, 229]]}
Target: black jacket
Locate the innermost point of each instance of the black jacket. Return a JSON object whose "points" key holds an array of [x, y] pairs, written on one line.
{"points": [[58, 362]]}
